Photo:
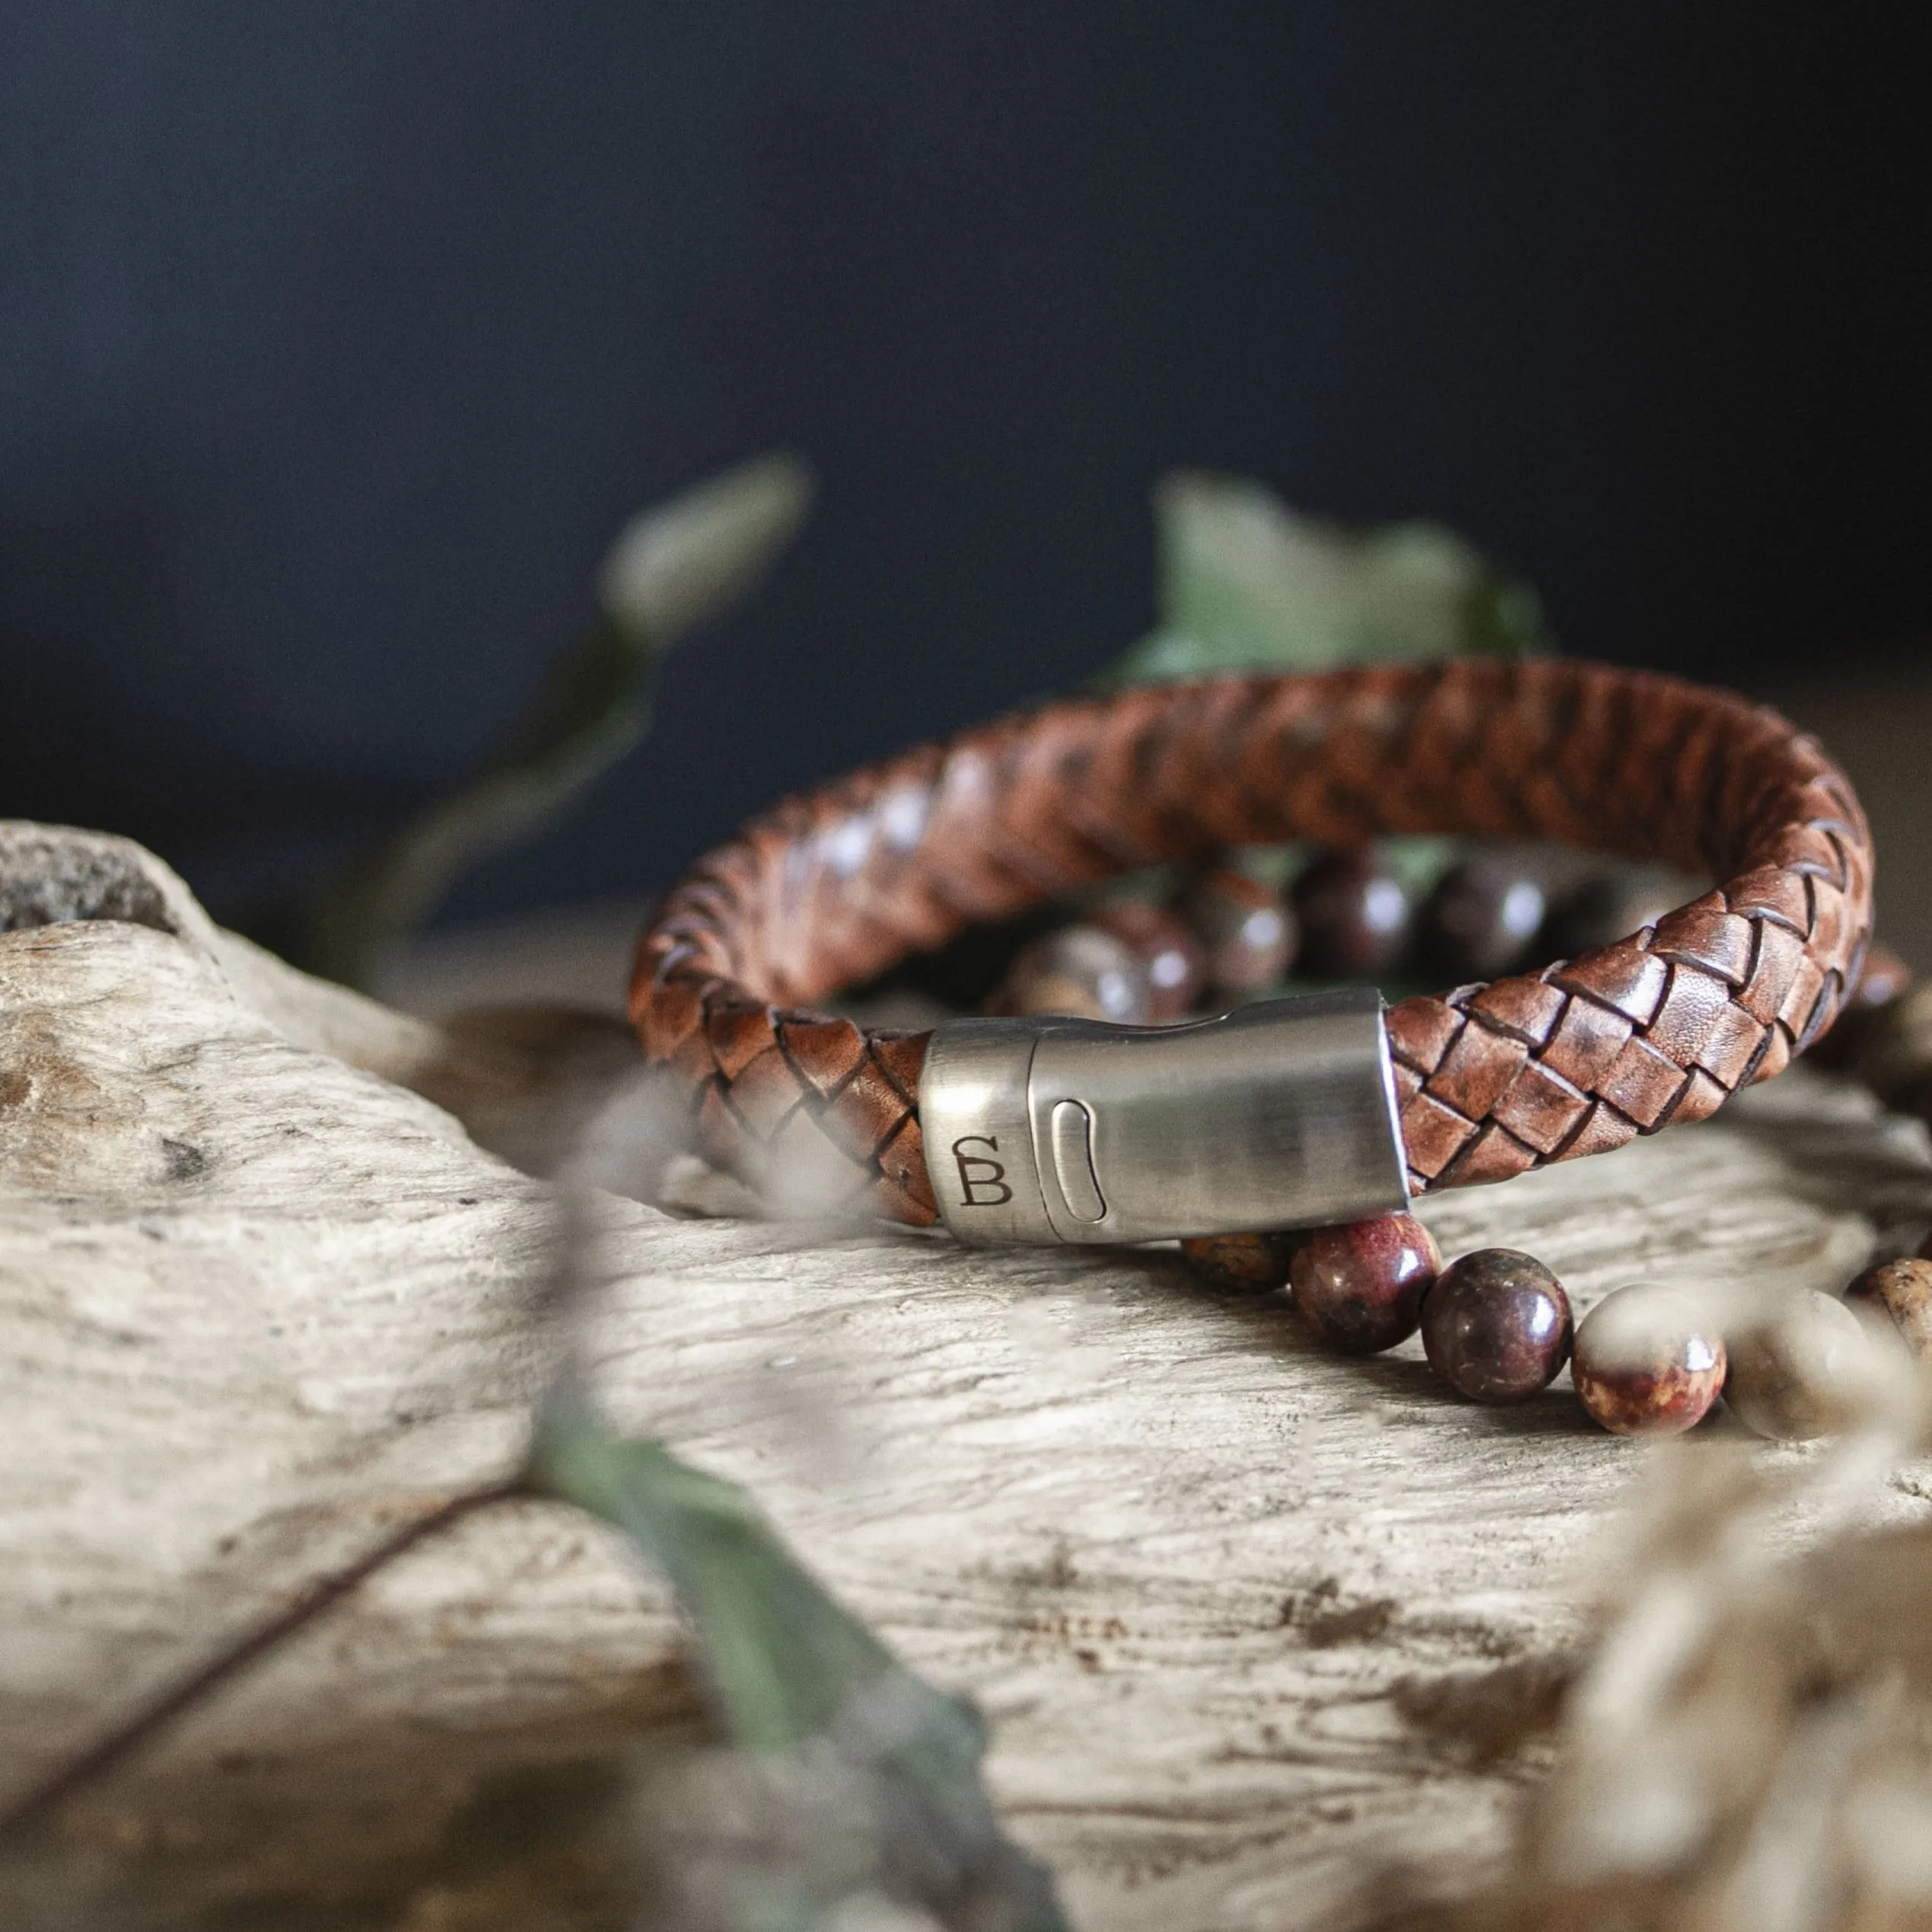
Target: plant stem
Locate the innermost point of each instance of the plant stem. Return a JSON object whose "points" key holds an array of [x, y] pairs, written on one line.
{"points": [[111, 1751]]}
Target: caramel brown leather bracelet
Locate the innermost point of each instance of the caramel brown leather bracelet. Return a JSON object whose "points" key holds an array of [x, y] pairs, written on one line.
{"points": [[832, 887]]}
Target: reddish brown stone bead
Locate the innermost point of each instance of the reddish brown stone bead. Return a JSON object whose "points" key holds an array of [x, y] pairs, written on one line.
{"points": [[1353, 913], [1883, 978], [1899, 1294], [1166, 946], [1247, 935], [1482, 917], [1079, 971], [1360, 1287], [1496, 1326], [1646, 1362], [1611, 907], [1243, 1264]]}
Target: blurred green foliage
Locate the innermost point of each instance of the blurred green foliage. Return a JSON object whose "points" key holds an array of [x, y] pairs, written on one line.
{"points": [[672, 569], [1247, 584], [790, 1671]]}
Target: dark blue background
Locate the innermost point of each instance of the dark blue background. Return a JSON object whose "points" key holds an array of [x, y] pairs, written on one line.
{"points": [[338, 339]]}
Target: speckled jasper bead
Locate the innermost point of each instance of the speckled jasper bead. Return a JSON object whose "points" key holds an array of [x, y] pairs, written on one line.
{"points": [[1176, 969], [1602, 910], [1647, 1362], [1480, 919], [1496, 1326], [1353, 915], [1898, 1294], [1247, 935], [1242, 1264], [1360, 1287], [1080, 970], [1802, 1373]]}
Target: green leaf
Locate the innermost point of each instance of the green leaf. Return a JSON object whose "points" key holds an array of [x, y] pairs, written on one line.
{"points": [[672, 568], [791, 1671], [681, 564], [1247, 584]]}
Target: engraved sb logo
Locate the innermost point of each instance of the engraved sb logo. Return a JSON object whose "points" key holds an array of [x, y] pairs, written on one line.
{"points": [[982, 1182]]}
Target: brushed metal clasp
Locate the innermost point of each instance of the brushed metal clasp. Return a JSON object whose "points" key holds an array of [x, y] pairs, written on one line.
{"points": [[1281, 1115]]}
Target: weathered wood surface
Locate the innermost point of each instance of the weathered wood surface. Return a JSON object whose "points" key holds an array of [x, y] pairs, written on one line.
{"points": [[256, 1304]]}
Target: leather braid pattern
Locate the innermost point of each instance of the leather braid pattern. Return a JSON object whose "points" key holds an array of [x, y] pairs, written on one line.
{"points": [[832, 887]]}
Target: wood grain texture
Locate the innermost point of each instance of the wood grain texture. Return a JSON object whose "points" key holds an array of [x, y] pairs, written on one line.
{"points": [[256, 1306]]}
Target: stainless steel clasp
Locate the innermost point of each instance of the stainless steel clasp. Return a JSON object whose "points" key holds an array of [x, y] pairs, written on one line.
{"points": [[1281, 1115]]}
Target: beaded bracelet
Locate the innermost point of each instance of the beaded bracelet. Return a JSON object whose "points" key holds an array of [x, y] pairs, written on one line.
{"points": [[1647, 1359], [1496, 1326], [1322, 1111]]}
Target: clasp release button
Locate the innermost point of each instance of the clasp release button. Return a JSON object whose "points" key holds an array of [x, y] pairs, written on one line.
{"points": [[1070, 1137]]}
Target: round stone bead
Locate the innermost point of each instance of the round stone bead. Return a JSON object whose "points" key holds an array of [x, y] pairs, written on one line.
{"points": [[1496, 1326], [1360, 1287], [1898, 1294], [1647, 1362], [1241, 1264], [1175, 965], [1081, 971], [1247, 935], [1611, 906], [1805, 1372], [1353, 913], [1883, 980], [1481, 918]]}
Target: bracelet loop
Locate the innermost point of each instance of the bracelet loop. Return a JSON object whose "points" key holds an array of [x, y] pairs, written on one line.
{"points": [[833, 886]]}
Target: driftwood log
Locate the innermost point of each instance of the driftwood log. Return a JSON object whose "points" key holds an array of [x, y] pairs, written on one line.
{"points": [[1235, 1610]]}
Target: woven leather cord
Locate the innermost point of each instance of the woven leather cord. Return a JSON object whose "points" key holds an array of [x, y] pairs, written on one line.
{"points": [[832, 887]]}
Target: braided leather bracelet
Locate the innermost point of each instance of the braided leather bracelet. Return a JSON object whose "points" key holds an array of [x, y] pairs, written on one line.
{"points": [[1351, 1109]]}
